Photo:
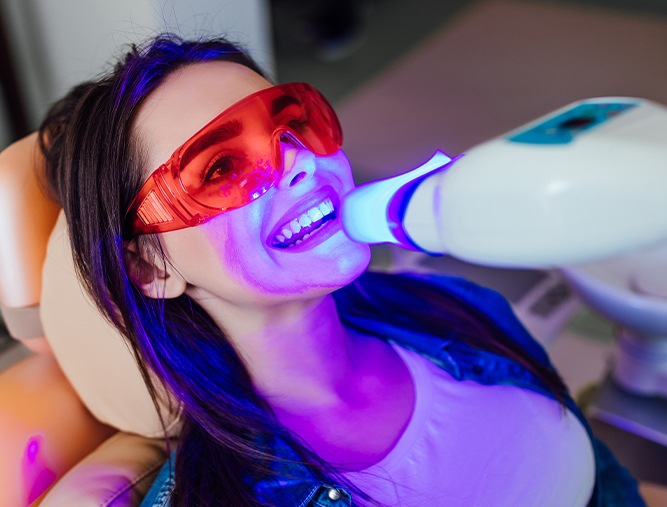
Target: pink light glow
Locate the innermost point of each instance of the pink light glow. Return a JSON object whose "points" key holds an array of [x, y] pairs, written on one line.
{"points": [[37, 476]]}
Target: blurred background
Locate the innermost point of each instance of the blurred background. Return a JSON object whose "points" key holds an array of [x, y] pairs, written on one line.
{"points": [[407, 77], [461, 70], [48, 46]]}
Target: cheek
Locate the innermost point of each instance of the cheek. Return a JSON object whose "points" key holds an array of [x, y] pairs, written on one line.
{"points": [[223, 246], [198, 253], [339, 165], [232, 243]]}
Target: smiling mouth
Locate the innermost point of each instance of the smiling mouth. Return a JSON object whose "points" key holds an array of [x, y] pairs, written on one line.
{"points": [[304, 226]]}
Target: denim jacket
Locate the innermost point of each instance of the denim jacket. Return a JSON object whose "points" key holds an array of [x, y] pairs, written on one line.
{"points": [[614, 487]]}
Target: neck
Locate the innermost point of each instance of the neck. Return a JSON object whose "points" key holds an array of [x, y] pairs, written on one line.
{"points": [[295, 353], [327, 385]]}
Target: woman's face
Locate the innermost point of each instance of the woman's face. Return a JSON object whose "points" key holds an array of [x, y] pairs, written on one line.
{"points": [[237, 256]]}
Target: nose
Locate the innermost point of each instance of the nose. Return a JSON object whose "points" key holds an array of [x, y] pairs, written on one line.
{"points": [[298, 165]]}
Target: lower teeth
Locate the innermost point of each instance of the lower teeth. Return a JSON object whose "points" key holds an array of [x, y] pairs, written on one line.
{"points": [[305, 236]]}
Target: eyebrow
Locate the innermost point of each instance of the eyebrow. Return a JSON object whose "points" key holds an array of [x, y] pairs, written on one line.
{"points": [[282, 102], [220, 134]]}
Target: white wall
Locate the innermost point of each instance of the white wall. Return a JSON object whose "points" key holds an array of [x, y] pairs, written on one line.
{"points": [[59, 43]]}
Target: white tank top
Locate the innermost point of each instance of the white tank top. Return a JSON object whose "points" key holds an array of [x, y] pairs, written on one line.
{"points": [[470, 445]]}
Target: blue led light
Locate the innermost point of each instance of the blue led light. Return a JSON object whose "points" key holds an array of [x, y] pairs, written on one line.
{"points": [[564, 127]]}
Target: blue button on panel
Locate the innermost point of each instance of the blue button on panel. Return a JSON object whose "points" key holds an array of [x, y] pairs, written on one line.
{"points": [[563, 128]]}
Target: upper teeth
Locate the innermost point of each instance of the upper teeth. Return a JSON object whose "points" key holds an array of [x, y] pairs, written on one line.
{"points": [[306, 219]]}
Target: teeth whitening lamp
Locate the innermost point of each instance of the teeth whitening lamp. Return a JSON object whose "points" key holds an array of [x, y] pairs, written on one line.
{"points": [[584, 182]]}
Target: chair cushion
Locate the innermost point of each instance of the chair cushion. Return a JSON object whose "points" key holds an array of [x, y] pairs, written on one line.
{"points": [[91, 353], [118, 473]]}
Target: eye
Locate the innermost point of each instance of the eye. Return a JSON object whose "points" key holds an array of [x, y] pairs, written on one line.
{"points": [[221, 167], [297, 124]]}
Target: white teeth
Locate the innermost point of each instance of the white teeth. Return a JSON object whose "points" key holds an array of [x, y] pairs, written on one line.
{"points": [[326, 207], [315, 214], [295, 226], [305, 220]]}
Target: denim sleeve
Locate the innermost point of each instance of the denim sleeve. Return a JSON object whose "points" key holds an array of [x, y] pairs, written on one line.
{"points": [[160, 492]]}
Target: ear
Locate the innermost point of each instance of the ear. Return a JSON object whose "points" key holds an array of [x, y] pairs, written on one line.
{"points": [[154, 277]]}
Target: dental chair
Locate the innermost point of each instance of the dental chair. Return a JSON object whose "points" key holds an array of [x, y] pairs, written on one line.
{"points": [[77, 425]]}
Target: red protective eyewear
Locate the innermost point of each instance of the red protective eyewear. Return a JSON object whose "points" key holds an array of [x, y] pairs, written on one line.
{"points": [[234, 159]]}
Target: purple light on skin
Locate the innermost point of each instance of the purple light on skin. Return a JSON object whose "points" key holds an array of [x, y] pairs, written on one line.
{"points": [[37, 476]]}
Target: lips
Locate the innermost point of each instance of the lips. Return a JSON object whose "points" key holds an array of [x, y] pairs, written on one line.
{"points": [[305, 220]]}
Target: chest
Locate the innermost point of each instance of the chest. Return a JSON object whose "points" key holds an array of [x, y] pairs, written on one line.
{"points": [[472, 445], [363, 427]]}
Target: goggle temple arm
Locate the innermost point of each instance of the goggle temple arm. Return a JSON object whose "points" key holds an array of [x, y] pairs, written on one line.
{"points": [[156, 208]]}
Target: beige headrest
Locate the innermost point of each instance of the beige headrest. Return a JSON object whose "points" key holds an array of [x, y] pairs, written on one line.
{"points": [[91, 353]]}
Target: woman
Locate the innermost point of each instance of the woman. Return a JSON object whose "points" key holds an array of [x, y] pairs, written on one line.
{"points": [[203, 210]]}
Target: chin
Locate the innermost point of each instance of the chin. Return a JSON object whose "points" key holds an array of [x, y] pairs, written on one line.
{"points": [[353, 261], [340, 269]]}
